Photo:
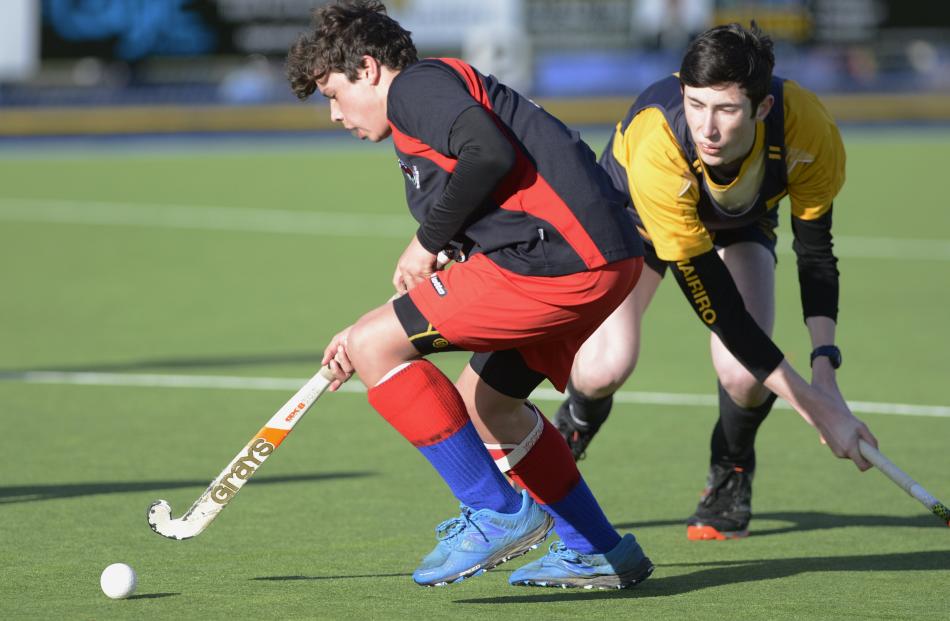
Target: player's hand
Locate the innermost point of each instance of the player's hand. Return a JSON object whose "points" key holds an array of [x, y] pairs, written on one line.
{"points": [[839, 428], [824, 380], [825, 409], [415, 265], [336, 358]]}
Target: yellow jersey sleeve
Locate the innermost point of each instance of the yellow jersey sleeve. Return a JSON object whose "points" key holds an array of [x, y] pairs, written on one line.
{"points": [[815, 155], [665, 192]]}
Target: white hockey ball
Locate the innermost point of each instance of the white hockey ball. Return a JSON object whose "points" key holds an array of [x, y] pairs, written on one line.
{"points": [[118, 581]]}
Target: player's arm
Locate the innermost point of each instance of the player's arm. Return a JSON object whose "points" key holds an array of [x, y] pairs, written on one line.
{"points": [[430, 103], [712, 292], [707, 283], [484, 156], [816, 172], [818, 282]]}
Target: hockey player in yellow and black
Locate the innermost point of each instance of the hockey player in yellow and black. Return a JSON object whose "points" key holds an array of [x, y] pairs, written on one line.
{"points": [[705, 156]]}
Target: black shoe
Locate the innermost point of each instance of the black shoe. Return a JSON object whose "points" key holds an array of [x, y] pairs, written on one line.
{"points": [[726, 506], [576, 433]]}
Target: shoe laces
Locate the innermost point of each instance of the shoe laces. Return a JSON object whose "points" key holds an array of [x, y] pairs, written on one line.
{"points": [[453, 527], [561, 552]]}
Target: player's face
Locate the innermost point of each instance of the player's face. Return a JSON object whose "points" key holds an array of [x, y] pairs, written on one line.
{"points": [[721, 122], [359, 106]]}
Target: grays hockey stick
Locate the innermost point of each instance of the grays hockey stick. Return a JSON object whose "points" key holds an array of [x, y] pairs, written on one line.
{"points": [[898, 476], [227, 484]]}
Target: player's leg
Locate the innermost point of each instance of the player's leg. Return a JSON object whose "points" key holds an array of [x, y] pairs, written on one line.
{"points": [[530, 450], [603, 364], [423, 405], [725, 509]]}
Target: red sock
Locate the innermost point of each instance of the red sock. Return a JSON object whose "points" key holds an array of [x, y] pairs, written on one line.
{"points": [[426, 408], [548, 470], [420, 402]]}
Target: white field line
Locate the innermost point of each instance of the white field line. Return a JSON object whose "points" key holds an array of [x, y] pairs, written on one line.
{"points": [[243, 219], [349, 224], [230, 382]]}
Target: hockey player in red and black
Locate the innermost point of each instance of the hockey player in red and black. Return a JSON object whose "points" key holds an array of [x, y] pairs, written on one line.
{"points": [[549, 251], [705, 157]]}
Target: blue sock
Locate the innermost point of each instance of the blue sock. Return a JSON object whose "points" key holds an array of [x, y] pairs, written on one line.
{"points": [[471, 473], [581, 524]]}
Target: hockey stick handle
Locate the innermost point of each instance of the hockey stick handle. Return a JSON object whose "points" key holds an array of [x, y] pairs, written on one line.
{"points": [[914, 489]]}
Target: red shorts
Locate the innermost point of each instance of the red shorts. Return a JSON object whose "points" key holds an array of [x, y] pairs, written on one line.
{"points": [[478, 306]]}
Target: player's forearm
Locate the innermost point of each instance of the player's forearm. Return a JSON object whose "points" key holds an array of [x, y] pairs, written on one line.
{"points": [[709, 287], [785, 382], [484, 158], [817, 266], [821, 330]]}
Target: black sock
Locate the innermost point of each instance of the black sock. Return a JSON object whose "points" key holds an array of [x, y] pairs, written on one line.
{"points": [[588, 414], [733, 437]]}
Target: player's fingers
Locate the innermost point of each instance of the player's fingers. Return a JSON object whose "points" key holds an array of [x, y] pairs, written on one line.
{"points": [[343, 360], [338, 372], [867, 436], [858, 459], [411, 281], [328, 354], [397, 281]]}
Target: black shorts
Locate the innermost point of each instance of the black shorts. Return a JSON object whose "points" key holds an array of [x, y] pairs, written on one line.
{"points": [[761, 232]]}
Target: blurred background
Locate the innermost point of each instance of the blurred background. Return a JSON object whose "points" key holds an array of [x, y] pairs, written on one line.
{"points": [[86, 67]]}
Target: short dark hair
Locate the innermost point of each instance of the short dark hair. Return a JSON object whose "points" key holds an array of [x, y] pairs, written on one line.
{"points": [[343, 32], [731, 54]]}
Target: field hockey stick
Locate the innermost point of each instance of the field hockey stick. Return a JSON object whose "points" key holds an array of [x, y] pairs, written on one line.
{"points": [[227, 484], [903, 480]]}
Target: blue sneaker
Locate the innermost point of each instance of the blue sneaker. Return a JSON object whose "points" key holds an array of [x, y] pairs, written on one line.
{"points": [[622, 567], [477, 541]]}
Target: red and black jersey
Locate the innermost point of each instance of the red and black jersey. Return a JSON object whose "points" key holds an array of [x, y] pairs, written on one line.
{"points": [[556, 212]]}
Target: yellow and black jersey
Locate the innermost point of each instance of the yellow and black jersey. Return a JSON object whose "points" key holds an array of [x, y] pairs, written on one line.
{"points": [[797, 151], [679, 209]]}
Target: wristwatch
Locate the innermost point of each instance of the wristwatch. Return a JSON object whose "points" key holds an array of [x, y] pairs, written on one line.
{"points": [[833, 353]]}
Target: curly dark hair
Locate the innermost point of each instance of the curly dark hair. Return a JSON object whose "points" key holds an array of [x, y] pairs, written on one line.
{"points": [[343, 33], [731, 54]]}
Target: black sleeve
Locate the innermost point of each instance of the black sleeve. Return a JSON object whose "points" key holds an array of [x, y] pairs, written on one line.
{"points": [[484, 156], [817, 266], [708, 285]]}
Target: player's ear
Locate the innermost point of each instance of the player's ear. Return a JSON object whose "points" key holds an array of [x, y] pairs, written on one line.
{"points": [[370, 70], [765, 106]]}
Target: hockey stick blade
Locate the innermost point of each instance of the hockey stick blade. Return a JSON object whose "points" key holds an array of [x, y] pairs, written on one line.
{"points": [[914, 489], [227, 484]]}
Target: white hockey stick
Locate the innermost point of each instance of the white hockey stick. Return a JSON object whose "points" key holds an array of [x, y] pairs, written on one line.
{"points": [[241, 468], [903, 480]]}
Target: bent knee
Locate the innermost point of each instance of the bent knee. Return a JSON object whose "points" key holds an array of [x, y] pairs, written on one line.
{"points": [[602, 379], [359, 343], [374, 347], [743, 388]]}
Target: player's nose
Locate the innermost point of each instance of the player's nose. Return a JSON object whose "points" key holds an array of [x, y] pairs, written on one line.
{"points": [[708, 127], [336, 115]]}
